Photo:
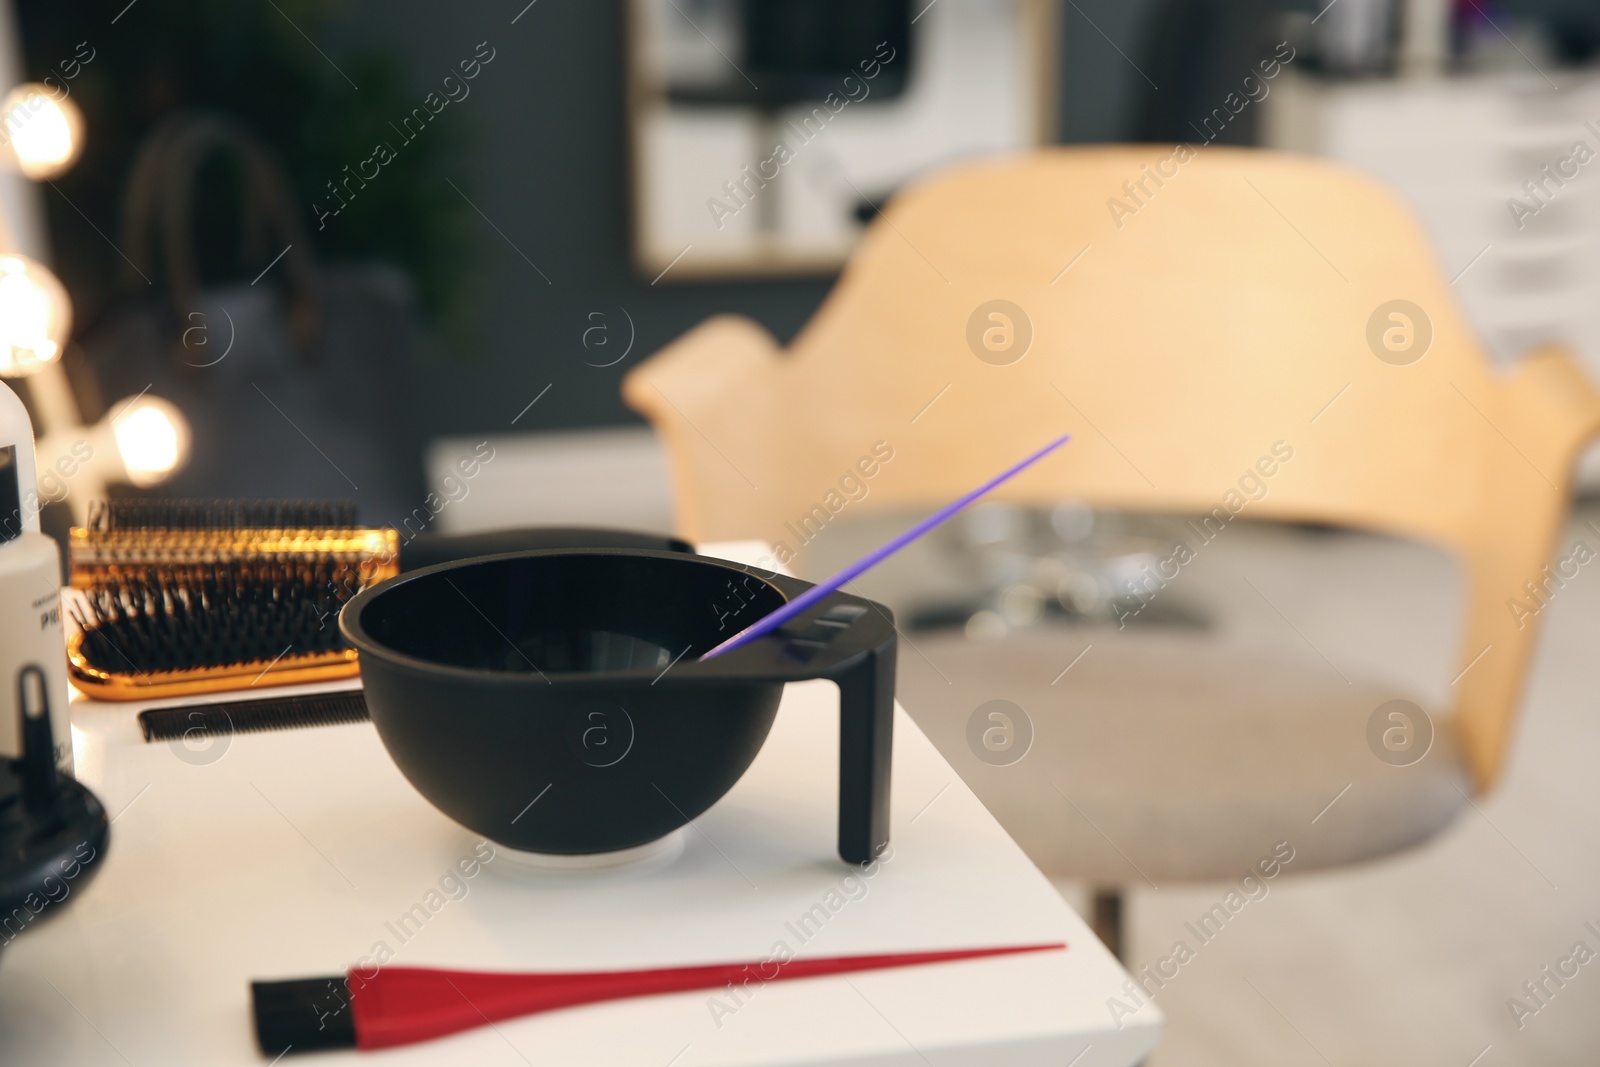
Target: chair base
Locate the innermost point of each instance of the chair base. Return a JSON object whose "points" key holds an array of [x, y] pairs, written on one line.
{"points": [[1106, 920]]}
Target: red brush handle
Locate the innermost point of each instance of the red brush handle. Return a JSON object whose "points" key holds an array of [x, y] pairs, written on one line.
{"points": [[401, 1005]]}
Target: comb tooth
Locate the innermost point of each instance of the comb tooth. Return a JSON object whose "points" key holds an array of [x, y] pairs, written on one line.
{"points": [[242, 716]]}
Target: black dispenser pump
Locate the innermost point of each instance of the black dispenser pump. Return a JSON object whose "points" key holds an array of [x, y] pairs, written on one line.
{"points": [[52, 829], [38, 742]]}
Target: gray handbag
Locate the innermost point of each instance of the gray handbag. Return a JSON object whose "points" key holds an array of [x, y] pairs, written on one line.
{"points": [[296, 383]]}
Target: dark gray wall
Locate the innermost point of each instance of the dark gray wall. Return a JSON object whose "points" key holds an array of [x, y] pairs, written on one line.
{"points": [[549, 170]]}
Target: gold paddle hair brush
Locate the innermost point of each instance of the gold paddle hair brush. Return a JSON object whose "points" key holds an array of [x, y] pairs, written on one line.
{"points": [[181, 597]]}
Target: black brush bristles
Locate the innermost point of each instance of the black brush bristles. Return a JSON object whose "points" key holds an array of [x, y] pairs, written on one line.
{"points": [[173, 618], [106, 516]]}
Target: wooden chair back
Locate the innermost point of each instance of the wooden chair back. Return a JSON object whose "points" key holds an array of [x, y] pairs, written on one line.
{"points": [[1224, 331]]}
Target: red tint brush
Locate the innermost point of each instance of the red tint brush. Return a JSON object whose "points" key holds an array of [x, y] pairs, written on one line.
{"points": [[404, 1005]]}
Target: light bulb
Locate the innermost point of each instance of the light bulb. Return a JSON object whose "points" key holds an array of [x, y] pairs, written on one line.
{"points": [[45, 130], [152, 437], [35, 315]]}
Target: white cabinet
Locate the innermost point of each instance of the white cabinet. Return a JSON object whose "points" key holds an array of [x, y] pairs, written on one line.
{"points": [[1504, 172]]}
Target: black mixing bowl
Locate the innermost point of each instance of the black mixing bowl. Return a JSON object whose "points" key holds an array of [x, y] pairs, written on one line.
{"points": [[553, 701]]}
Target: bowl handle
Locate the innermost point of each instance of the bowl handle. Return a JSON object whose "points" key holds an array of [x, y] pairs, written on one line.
{"points": [[866, 746], [851, 641]]}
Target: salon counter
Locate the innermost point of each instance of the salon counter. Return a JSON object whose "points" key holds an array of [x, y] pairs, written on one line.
{"points": [[303, 852]]}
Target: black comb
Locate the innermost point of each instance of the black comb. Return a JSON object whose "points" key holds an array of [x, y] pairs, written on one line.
{"points": [[178, 514], [248, 716]]}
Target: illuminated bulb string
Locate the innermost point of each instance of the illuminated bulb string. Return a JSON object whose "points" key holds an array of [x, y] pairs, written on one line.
{"points": [[45, 130], [35, 315]]}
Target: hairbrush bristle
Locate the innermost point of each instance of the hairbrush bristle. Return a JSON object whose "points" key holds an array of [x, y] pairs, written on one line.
{"points": [[180, 618], [175, 514]]}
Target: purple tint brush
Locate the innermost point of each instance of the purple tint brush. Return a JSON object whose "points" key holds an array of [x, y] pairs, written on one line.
{"points": [[767, 623]]}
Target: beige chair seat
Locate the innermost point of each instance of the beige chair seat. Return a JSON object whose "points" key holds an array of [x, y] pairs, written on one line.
{"points": [[1167, 756]]}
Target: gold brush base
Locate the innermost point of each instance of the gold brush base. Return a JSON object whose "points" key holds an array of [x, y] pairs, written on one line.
{"points": [[152, 685]]}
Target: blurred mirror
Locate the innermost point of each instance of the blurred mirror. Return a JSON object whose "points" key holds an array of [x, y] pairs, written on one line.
{"points": [[766, 133]]}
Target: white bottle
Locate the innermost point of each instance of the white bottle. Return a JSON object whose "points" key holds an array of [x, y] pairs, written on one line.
{"points": [[30, 588]]}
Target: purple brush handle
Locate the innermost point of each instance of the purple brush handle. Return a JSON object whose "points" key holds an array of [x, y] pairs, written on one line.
{"points": [[767, 623]]}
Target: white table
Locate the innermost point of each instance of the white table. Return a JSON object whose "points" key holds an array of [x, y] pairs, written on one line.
{"points": [[295, 853]]}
